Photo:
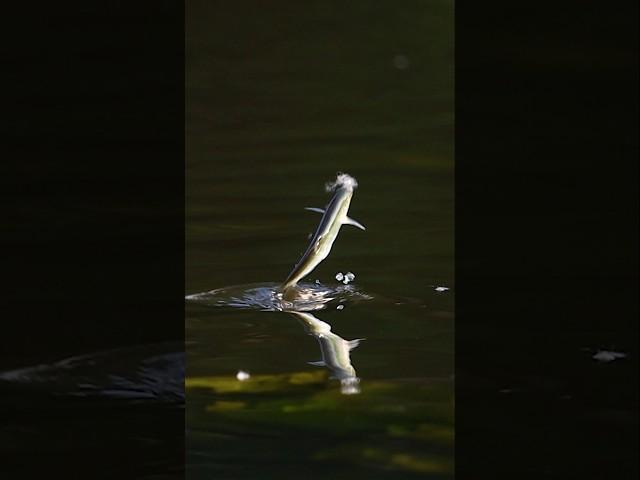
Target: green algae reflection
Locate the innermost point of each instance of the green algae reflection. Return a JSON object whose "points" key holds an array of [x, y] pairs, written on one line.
{"points": [[372, 430]]}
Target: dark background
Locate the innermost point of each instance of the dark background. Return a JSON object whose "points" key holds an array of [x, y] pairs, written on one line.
{"points": [[92, 239], [546, 227], [546, 239]]}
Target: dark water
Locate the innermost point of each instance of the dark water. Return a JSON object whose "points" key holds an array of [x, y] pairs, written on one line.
{"points": [[116, 413], [278, 101]]}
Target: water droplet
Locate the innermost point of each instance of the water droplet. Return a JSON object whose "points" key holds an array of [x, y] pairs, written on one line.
{"points": [[339, 276], [242, 375], [606, 356], [350, 386]]}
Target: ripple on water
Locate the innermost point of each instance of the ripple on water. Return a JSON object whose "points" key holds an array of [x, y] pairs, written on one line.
{"points": [[266, 297]]}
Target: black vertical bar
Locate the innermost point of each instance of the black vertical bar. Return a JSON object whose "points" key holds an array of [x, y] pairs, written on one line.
{"points": [[93, 175], [546, 239]]}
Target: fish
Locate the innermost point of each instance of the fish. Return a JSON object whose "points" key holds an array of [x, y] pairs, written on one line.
{"points": [[334, 215], [335, 350]]}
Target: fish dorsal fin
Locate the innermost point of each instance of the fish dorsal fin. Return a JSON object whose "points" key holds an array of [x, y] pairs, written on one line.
{"points": [[354, 343], [313, 209], [319, 363], [355, 223]]}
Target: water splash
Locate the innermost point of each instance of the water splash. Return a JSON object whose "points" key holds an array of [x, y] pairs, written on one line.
{"points": [[267, 297], [342, 180], [345, 278]]}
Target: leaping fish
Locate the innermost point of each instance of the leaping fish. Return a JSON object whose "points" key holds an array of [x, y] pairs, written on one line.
{"points": [[334, 215], [335, 350]]}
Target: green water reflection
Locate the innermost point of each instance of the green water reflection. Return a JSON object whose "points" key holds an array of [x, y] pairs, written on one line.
{"points": [[280, 98]]}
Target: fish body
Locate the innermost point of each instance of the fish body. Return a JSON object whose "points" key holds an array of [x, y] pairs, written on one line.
{"points": [[334, 215]]}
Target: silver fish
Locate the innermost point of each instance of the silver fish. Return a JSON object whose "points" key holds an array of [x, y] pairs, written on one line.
{"points": [[334, 215], [335, 351]]}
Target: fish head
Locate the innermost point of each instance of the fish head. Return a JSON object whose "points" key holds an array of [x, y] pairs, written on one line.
{"points": [[342, 188]]}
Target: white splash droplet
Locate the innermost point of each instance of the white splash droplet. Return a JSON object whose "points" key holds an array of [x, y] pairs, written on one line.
{"points": [[606, 356], [350, 386], [441, 289], [242, 375], [339, 307], [339, 276]]}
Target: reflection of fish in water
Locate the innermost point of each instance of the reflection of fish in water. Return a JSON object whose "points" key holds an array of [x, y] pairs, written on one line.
{"points": [[335, 352], [333, 217]]}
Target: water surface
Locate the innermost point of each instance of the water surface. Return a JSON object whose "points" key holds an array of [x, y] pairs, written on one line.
{"points": [[290, 97]]}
